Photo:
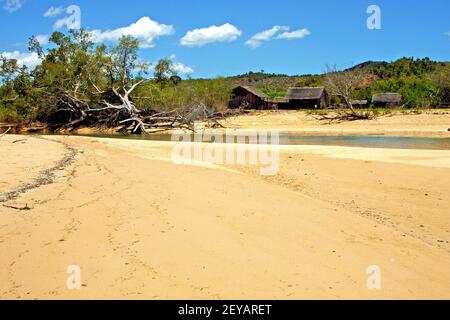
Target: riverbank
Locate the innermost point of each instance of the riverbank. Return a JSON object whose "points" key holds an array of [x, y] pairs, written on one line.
{"points": [[427, 123], [142, 227]]}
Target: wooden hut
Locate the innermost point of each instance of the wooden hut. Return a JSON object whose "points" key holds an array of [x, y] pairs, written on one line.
{"points": [[387, 100], [308, 98], [249, 97]]}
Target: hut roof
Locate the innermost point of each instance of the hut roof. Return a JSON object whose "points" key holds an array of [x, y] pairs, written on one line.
{"points": [[305, 93], [387, 98], [254, 91]]}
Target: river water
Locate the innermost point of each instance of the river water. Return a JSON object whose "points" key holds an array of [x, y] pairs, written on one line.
{"points": [[368, 141]]}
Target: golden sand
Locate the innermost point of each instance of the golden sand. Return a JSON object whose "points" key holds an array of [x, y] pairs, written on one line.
{"points": [[141, 227]]}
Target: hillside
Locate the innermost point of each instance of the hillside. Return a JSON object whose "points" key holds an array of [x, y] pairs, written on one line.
{"points": [[422, 82]]}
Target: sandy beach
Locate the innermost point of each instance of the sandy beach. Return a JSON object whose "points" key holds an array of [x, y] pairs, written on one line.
{"points": [[142, 227], [432, 123]]}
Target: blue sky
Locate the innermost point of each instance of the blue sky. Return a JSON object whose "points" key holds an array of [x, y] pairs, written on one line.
{"points": [[300, 37]]}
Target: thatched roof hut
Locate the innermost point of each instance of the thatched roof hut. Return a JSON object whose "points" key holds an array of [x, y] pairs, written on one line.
{"points": [[308, 97], [254, 91], [387, 99], [249, 97], [305, 93]]}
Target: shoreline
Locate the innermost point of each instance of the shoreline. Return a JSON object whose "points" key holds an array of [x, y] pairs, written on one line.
{"points": [[311, 132], [429, 123]]}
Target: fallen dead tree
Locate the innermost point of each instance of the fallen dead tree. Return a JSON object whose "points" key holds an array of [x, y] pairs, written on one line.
{"points": [[344, 115], [127, 118], [187, 119], [105, 99], [81, 84]]}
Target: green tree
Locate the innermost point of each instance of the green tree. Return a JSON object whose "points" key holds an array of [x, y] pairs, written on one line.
{"points": [[164, 71], [124, 60], [8, 69]]}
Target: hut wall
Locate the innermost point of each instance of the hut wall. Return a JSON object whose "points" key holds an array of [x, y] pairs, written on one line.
{"points": [[304, 103], [253, 100], [382, 104]]}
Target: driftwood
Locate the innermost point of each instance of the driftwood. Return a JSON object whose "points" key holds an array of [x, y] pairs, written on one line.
{"points": [[20, 140], [22, 127], [4, 133], [23, 208], [186, 120], [127, 118], [74, 112], [345, 115]]}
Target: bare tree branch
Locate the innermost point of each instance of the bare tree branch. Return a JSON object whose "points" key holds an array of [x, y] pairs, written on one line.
{"points": [[4, 133], [342, 84]]}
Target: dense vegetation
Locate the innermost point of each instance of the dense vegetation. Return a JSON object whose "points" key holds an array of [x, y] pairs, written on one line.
{"points": [[422, 83], [79, 76]]}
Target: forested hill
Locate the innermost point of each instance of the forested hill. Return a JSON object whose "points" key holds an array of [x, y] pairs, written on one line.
{"points": [[401, 67], [422, 82]]}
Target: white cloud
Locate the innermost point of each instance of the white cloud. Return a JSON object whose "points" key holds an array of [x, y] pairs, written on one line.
{"points": [[12, 5], [182, 69], [53, 11], [42, 39], [145, 30], [200, 37], [72, 21], [297, 34], [30, 60], [267, 35], [179, 67], [276, 32]]}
